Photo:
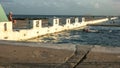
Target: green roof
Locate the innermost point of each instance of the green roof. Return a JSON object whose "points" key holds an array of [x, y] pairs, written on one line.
{"points": [[3, 16]]}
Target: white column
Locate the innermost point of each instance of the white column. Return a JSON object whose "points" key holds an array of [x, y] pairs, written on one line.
{"points": [[68, 21], [76, 20], [56, 22], [37, 24], [83, 19]]}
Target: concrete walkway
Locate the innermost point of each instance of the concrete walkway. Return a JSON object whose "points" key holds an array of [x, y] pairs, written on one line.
{"points": [[39, 55]]}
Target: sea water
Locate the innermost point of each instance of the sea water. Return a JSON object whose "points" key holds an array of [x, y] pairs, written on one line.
{"points": [[107, 36]]}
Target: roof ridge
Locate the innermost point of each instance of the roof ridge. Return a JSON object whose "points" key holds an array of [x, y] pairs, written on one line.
{"points": [[3, 16]]}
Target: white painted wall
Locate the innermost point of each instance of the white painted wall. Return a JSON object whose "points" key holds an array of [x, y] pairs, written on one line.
{"points": [[38, 30]]}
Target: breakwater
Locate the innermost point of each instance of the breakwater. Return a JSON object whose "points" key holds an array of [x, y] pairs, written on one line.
{"points": [[35, 28]]}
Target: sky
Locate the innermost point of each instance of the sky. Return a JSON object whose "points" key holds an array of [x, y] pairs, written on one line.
{"points": [[62, 7]]}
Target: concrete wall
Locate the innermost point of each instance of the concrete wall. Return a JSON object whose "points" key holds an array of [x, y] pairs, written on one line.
{"points": [[7, 33]]}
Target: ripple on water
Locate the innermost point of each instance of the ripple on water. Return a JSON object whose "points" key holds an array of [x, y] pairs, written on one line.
{"points": [[107, 36]]}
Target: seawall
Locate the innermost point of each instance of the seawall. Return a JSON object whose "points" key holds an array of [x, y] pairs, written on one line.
{"points": [[36, 29]]}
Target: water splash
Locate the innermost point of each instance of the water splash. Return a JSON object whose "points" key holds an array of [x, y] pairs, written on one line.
{"points": [[107, 36]]}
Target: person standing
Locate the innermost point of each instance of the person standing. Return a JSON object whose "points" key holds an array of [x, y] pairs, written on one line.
{"points": [[10, 18]]}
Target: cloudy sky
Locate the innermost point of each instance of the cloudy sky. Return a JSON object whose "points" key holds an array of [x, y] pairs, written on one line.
{"points": [[62, 7]]}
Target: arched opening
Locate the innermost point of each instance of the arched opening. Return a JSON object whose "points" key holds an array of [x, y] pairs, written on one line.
{"points": [[55, 21], [37, 23], [5, 27], [68, 21]]}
